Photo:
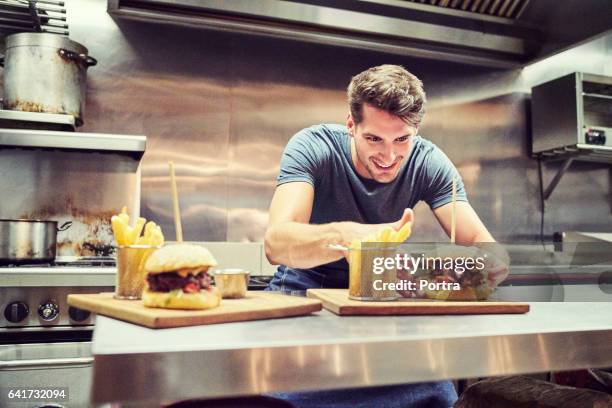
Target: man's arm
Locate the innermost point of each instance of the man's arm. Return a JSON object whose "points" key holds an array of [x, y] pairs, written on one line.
{"points": [[291, 241], [468, 228], [471, 231]]}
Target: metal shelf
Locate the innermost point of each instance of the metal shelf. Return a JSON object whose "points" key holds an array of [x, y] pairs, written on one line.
{"points": [[594, 95], [36, 120], [582, 152], [569, 154], [572, 121], [42, 16], [98, 142]]}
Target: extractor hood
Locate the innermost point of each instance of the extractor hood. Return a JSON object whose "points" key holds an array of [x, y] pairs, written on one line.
{"points": [[98, 142], [394, 26], [497, 33]]}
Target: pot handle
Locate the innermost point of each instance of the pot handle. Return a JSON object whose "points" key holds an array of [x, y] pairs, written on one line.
{"points": [[82, 58], [64, 226]]}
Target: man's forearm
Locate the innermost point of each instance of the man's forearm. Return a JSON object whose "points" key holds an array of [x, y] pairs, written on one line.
{"points": [[300, 245]]}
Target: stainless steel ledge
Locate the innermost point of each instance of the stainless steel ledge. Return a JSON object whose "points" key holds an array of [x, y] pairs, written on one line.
{"points": [[100, 142], [324, 351], [37, 117], [68, 276]]}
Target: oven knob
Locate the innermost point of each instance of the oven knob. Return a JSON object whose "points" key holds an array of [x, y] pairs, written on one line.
{"points": [[78, 315], [16, 312], [48, 310]]}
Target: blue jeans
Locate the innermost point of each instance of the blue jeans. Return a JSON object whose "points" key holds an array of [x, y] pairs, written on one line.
{"points": [[296, 281], [427, 395], [431, 394]]}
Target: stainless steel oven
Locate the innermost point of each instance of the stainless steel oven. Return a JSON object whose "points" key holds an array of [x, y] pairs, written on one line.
{"points": [[46, 368], [48, 173], [45, 344]]}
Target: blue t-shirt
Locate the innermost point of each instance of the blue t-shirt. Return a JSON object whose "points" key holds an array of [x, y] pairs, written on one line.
{"points": [[321, 155]]}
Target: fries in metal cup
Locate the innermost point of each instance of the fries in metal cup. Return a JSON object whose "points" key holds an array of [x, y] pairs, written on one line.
{"points": [[361, 260], [132, 252]]}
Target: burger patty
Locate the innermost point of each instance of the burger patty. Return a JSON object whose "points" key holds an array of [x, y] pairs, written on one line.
{"points": [[169, 281], [469, 278]]}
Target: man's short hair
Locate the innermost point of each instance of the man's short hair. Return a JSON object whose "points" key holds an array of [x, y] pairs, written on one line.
{"points": [[388, 87]]}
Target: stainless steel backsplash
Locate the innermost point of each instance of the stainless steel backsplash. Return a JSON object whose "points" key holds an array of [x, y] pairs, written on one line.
{"points": [[222, 106], [85, 188]]}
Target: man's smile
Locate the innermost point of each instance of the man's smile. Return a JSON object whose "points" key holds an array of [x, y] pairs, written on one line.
{"points": [[385, 166]]}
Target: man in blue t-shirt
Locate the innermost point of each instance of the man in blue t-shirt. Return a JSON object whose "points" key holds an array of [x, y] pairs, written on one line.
{"points": [[338, 183]]}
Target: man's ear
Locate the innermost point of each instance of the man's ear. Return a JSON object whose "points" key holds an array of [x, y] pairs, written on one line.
{"points": [[350, 124]]}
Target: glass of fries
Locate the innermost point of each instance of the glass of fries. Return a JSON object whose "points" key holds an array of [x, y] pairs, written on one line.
{"points": [[133, 251], [131, 273], [365, 283]]}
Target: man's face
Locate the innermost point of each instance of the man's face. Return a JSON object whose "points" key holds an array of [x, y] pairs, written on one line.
{"points": [[381, 143]]}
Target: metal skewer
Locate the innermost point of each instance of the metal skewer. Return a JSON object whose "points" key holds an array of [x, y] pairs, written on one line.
{"points": [[54, 30], [50, 17], [16, 23], [33, 15], [52, 2], [14, 14], [54, 25], [25, 6]]}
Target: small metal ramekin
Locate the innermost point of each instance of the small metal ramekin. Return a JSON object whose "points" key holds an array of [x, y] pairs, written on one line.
{"points": [[232, 283]]}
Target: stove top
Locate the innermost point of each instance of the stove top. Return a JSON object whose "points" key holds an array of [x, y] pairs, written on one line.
{"points": [[67, 262], [33, 296]]}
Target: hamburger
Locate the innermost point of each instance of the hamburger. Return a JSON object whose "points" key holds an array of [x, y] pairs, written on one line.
{"points": [[177, 278], [469, 280]]}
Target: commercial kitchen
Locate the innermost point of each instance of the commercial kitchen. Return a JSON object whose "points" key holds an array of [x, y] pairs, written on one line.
{"points": [[519, 97]]}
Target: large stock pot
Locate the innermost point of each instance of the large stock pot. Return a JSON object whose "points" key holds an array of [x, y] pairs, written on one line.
{"points": [[45, 73]]}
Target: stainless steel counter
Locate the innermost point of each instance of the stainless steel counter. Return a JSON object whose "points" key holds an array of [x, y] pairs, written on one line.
{"points": [[324, 351]]}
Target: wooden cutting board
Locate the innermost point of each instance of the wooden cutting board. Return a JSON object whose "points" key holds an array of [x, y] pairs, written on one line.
{"points": [[256, 305], [338, 302]]}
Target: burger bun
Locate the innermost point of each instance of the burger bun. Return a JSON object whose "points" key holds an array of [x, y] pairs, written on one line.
{"points": [[177, 299], [467, 293], [180, 257]]}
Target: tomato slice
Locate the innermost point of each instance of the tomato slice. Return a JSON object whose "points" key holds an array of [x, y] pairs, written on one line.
{"points": [[191, 287]]}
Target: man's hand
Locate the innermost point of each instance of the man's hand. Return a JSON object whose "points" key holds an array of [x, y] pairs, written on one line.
{"points": [[498, 271], [496, 262], [469, 228], [408, 216], [349, 231], [290, 239]]}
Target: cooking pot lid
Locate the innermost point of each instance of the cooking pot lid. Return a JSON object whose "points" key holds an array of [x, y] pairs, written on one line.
{"points": [[44, 40]]}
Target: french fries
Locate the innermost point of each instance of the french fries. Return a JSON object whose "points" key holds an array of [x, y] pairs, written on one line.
{"points": [[361, 256], [126, 235], [131, 260], [386, 235]]}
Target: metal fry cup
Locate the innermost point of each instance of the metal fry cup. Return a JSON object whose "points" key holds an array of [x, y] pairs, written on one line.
{"points": [[131, 274], [232, 283], [365, 283]]}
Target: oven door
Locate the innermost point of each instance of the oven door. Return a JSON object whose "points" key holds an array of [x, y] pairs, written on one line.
{"points": [[45, 366]]}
